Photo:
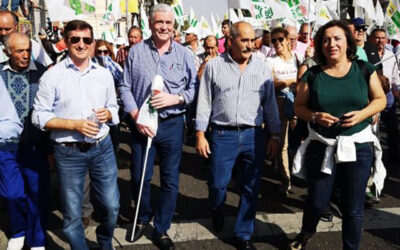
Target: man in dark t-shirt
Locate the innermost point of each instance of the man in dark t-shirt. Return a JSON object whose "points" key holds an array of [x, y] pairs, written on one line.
{"points": [[359, 37]]}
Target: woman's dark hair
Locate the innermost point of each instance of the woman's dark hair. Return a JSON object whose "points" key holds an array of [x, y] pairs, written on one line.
{"points": [[319, 37], [280, 30]]}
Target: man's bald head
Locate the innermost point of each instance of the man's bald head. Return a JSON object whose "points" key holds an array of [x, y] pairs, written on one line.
{"points": [[8, 23], [292, 31], [18, 48], [240, 26]]}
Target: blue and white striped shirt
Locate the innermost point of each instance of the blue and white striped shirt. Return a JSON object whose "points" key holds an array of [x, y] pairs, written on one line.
{"points": [[66, 93], [176, 66], [228, 97]]}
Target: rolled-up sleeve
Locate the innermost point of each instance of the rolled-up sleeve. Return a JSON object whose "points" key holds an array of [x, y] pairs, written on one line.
{"points": [[43, 104], [204, 102], [271, 115], [111, 102], [126, 86], [192, 81]]}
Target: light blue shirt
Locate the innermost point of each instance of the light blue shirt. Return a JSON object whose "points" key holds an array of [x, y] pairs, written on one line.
{"points": [[229, 97], [10, 124], [176, 66], [66, 93]]}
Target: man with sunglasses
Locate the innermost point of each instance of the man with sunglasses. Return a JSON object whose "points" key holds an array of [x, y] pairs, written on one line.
{"points": [[359, 37], [158, 55], [75, 101]]}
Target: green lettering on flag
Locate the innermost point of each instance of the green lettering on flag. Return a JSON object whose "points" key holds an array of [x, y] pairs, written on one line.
{"points": [[89, 8], [291, 3], [76, 6], [178, 11], [396, 19], [269, 13]]}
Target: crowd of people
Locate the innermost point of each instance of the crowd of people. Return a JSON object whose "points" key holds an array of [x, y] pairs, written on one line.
{"points": [[311, 105]]}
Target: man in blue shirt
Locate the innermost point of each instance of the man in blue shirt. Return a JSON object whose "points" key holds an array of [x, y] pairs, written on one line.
{"points": [[163, 56], [24, 182], [76, 99]]}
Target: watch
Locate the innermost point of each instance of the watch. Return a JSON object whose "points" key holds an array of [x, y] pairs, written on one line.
{"points": [[181, 99]]}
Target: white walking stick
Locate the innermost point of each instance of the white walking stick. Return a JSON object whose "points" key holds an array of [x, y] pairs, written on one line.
{"points": [[149, 140]]}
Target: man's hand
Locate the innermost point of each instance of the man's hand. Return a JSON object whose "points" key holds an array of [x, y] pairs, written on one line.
{"points": [[87, 128], [145, 130], [309, 52], [163, 99], [272, 148], [103, 115], [202, 146]]}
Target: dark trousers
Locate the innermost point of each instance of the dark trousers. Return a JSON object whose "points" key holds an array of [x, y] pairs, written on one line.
{"points": [[389, 119], [168, 144], [353, 176]]}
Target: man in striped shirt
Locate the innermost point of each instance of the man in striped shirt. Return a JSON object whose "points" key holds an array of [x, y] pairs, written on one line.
{"points": [[236, 96], [158, 55]]}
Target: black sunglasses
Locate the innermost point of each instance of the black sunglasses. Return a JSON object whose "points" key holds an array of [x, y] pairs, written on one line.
{"points": [[280, 39], [76, 39], [361, 28], [105, 52]]}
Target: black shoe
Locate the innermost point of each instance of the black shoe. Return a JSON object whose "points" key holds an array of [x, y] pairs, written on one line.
{"points": [[327, 216], [245, 245], [217, 220], [139, 231], [163, 241], [300, 241]]}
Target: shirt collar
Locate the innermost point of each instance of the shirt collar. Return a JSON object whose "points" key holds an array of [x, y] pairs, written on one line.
{"points": [[31, 66], [151, 43], [70, 64], [231, 59]]}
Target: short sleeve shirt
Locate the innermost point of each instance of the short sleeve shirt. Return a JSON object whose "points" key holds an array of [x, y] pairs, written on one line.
{"points": [[338, 96]]}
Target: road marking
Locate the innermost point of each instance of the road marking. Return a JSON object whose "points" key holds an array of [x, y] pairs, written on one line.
{"points": [[266, 224]]}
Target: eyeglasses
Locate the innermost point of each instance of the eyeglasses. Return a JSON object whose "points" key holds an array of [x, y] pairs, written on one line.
{"points": [[280, 39], [362, 28], [103, 52], [77, 39]]}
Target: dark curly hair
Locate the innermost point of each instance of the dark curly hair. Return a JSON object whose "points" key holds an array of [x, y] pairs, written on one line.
{"points": [[319, 37]]}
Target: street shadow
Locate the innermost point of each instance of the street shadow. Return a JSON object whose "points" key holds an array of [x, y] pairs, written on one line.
{"points": [[389, 231]]}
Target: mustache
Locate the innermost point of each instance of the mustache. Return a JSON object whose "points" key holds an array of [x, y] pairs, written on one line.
{"points": [[247, 50]]}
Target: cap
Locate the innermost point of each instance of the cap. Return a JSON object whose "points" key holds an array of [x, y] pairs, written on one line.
{"points": [[192, 30], [358, 22]]}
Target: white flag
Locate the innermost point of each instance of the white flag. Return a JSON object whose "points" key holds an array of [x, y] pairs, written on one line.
{"points": [[379, 15], [324, 15], [144, 20], [205, 28], [368, 7], [268, 10], [239, 4], [393, 13], [178, 10], [193, 22], [233, 17]]}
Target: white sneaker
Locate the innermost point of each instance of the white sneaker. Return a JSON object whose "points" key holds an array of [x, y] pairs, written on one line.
{"points": [[16, 243], [37, 248]]}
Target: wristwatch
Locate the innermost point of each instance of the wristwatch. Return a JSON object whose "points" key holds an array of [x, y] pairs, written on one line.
{"points": [[181, 99], [276, 138]]}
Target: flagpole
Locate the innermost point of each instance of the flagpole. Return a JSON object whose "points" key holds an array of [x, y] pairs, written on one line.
{"points": [[390, 57], [338, 7], [126, 12]]}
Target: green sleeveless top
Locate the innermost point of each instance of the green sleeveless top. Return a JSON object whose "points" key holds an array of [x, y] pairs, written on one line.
{"points": [[338, 96]]}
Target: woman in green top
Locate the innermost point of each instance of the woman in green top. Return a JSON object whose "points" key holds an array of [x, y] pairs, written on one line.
{"points": [[337, 101]]}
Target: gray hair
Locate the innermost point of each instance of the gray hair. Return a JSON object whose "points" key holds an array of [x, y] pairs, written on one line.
{"points": [[162, 7], [7, 44]]}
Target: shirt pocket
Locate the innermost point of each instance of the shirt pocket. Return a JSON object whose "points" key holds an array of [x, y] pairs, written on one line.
{"points": [[174, 75]]}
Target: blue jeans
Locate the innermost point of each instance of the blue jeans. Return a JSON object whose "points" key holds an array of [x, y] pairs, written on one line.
{"points": [[72, 166], [247, 147], [168, 143], [24, 183], [14, 4], [352, 180]]}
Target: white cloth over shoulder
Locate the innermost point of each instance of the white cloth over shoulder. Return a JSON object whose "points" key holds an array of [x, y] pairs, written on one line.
{"points": [[345, 152]]}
